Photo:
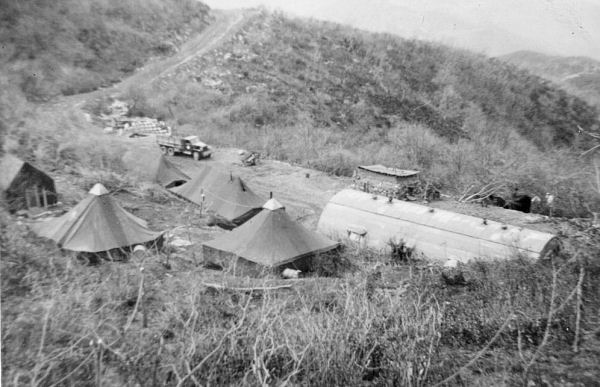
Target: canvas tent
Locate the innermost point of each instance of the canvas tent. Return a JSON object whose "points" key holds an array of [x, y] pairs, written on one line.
{"points": [[270, 240], [167, 174], [97, 223], [222, 194], [372, 221], [151, 165], [23, 185]]}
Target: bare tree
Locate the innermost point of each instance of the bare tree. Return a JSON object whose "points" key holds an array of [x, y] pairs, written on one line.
{"points": [[595, 155]]}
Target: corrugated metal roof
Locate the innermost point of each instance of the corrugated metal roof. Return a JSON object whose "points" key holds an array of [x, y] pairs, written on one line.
{"points": [[438, 234], [389, 171]]}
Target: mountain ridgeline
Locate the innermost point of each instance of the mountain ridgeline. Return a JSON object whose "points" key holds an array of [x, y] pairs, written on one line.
{"points": [[579, 76], [359, 82], [315, 93]]}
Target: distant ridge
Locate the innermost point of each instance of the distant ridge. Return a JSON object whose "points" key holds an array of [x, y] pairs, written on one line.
{"points": [[579, 75]]}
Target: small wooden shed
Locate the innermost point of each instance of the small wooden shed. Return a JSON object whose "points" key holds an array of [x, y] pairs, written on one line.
{"points": [[24, 186], [381, 173]]}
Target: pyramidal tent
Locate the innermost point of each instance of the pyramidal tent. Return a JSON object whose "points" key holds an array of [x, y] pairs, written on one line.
{"points": [[270, 239], [152, 165], [22, 185], [223, 194], [97, 223], [167, 174]]}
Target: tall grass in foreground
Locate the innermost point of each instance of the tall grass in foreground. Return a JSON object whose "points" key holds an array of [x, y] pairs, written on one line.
{"points": [[68, 324]]}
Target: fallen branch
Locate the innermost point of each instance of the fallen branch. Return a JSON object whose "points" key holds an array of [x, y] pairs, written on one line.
{"points": [[481, 194], [578, 308], [251, 289]]}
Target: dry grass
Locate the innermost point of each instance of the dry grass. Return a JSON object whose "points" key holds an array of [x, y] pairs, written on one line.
{"points": [[66, 323]]}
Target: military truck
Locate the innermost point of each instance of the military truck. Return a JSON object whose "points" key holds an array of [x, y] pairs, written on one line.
{"points": [[190, 145]]}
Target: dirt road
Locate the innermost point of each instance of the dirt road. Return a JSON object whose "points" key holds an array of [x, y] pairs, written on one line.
{"points": [[304, 192], [223, 25]]}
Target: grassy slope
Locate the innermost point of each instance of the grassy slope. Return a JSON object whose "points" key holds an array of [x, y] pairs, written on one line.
{"points": [[331, 97], [358, 81], [343, 331], [72, 46], [399, 324]]}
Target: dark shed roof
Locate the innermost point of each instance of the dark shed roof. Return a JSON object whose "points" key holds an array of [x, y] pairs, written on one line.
{"points": [[388, 171]]}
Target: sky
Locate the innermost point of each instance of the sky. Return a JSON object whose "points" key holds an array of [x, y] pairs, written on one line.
{"points": [[491, 27]]}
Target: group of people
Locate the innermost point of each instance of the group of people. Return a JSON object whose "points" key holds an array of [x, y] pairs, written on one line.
{"points": [[524, 203]]}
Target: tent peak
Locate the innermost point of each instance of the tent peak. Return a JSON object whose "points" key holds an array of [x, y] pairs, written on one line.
{"points": [[98, 190], [273, 205]]}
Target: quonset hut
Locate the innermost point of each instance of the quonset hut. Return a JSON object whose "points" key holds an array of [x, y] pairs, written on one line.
{"points": [[373, 221]]}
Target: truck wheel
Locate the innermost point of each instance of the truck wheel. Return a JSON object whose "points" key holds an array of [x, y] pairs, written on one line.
{"points": [[170, 151], [196, 156], [163, 149]]}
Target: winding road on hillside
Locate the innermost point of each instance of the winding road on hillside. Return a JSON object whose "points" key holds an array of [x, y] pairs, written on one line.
{"points": [[304, 191], [223, 25]]}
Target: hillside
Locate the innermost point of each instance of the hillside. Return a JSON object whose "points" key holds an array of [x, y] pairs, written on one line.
{"points": [[579, 76], [357, 81], [331, 97], [72, 46], [363, 317]]}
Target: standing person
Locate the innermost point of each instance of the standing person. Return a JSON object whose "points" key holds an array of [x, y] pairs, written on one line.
{"points": [[515, 194], [550, 202]]}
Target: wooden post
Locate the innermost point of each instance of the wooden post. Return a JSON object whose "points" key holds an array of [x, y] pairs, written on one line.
{"points": [[37, 197], [44, 197], [202, 204], [27, 201], [99, 364]]}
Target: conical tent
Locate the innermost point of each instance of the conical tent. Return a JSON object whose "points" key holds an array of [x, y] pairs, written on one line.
{"points": [[225, 195], [97, 223], [167, 174], [151, 165], [271, 239]]}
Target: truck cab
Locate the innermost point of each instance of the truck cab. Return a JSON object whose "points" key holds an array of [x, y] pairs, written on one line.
{"points": [[189, 145], [197, 148]]}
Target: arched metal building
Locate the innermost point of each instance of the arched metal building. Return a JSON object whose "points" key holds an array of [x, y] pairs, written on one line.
{"points": [[373, 221]]}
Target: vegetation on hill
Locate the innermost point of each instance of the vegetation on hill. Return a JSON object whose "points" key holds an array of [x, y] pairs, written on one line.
{"points": [[72, 46], [332, 97], [579, 76], [515, 323]]}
